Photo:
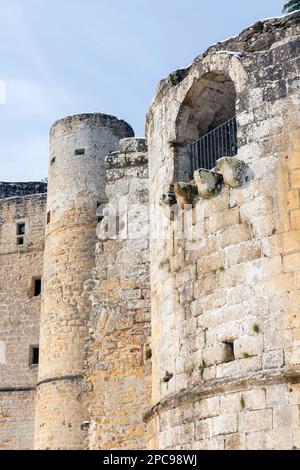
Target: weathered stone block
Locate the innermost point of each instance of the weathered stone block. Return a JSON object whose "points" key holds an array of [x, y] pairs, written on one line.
{"points": [[225, 424], [218, 354], [259, 420], [235, 172], [208, 183], [248, 346]]}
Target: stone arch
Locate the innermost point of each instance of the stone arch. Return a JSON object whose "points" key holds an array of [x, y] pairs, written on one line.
{"points": [[208, 104]]}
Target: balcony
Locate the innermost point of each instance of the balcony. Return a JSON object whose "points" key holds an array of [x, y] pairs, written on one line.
{"points": [[220, 142]]}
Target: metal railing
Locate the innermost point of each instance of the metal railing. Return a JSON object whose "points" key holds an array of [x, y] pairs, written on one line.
{"points": [[220, 142]]}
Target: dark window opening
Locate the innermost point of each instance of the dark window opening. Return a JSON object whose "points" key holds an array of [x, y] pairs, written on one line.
{"points": [[148, 354], [34, 355], [48, 217], [80, 152], [53, 161], [20, 241], [21, 229], [37, 287], [229, 351]]}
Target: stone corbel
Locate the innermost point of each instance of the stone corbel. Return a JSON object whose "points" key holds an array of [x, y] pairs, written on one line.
{"points": [[168, 202], [209, 183], [235, 172], [186, 194]]}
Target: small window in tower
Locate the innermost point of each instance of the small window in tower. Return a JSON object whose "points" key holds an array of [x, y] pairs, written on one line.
{"points": [[21, 229], [20, 233], [34, 353], [37, 287], [53, 161], [80, 152], [48, 217], [20, 241]]}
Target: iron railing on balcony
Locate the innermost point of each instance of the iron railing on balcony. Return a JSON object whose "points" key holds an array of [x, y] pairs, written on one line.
{"points": [[220, 142]]}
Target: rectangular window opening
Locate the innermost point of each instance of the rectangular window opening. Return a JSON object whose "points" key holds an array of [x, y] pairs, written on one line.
{"points": [[37, 287], [80, 152], [53, 161], [20, 241], [48, 217], [34, 355], [21, 228]]}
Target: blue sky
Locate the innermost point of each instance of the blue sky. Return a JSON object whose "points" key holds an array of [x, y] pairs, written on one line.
{"points": [[63, 57]]}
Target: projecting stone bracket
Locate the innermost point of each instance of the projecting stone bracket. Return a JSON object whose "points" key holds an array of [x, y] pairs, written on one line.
{"points": [[168, 202], [235, 172], [186, 194], [209, 183]]}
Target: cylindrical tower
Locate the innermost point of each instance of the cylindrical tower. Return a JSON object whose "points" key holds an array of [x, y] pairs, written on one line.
{"points": [[78, 146]]}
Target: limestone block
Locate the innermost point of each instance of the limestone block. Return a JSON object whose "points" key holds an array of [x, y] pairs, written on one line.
{"points": [[207, 408], [262, 440], [238, 367], [203, 429], [273, 359], [225, 424], [248, 345], [208, 183], [235, 442], [186, 194], [218, 354], [132, 145], [235, 172], [257, 420]]}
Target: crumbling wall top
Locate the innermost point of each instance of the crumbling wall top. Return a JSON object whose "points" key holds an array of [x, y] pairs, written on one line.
{"points": [[260, 36], [9, 190]]}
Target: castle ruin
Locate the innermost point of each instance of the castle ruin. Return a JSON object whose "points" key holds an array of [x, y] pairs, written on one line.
{"points": [[149, 294]]}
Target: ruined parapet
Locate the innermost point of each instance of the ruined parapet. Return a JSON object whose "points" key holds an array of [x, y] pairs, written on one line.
{"points": [[118, 353], [225, 300], [78, 146], [8, 190]]}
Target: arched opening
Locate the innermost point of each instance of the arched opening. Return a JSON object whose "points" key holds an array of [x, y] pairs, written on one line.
{"points": [[206, 124]]}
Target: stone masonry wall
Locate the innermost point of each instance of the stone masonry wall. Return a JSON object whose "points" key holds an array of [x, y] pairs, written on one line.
{"points": [[225, 314], [118, 365], [19, 316]]}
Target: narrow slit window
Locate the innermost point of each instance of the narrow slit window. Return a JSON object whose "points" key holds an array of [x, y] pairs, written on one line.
{"points": [[80, 152], [48, 217], [21, 233], [53, 161], [37, 287], [21, 229], [34, 355]]}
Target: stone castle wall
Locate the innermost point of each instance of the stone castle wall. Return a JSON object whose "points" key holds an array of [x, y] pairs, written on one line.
{"points": [[225, 300], [224, 303], [118, 366], [19, 316]]}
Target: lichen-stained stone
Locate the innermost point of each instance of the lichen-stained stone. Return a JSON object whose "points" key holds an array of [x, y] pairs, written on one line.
{"points": [[186, 194], [208, 183], [235, 172]]}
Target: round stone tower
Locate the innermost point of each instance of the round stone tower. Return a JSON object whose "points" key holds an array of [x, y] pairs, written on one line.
{"points": [[78, 146]]}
